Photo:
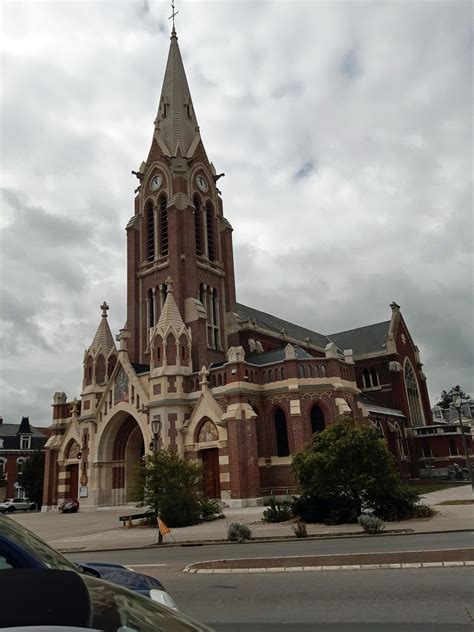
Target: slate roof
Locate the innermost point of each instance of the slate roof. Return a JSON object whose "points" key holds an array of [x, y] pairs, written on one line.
{"points": [[103, 337], [178, 126], [374, 407], [368, 339], [170, 313], [277, 324], [140, 368], [25, 427], [276, 355], [11, 438]]}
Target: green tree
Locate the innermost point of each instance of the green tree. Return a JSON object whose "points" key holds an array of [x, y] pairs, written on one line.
{"points": [[31, 477], [171, 486], [446, 397], [345, 470]]}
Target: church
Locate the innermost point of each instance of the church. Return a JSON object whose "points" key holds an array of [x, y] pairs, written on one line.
{"points": [[193, 370]]}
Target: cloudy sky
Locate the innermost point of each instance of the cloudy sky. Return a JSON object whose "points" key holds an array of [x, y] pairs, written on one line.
{"points": [[344, 130]]}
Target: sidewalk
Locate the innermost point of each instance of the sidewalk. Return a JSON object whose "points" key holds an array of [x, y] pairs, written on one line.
{"points": [[101, 530]]}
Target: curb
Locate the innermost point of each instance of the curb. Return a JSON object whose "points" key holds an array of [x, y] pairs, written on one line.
{"points": [[343, 567], [194, 543]]}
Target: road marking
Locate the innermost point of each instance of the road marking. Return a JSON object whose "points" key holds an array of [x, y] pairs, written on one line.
{"points": [[132, 566]]}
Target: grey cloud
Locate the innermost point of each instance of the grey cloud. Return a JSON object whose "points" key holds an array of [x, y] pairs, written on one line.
{"points": [[379, 93]]}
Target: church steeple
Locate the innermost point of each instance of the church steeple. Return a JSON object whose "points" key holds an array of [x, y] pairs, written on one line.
{"points": [[176, 126]]}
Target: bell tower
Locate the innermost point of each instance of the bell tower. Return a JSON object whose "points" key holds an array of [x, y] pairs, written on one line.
{"points": [[178, 231]]}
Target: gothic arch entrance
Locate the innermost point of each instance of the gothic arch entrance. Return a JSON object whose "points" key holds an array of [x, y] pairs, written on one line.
{"points": [[207, 437], [121, 447]]}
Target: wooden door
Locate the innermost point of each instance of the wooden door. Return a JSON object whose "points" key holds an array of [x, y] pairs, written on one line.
{"points": [[210, 463], [73, 481]]}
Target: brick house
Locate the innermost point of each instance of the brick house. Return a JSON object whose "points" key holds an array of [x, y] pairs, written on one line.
{"points": [[17, 442], [234, 387]]}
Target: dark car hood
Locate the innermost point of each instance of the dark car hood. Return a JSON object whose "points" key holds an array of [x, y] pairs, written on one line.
{"points": [[124, 577]]}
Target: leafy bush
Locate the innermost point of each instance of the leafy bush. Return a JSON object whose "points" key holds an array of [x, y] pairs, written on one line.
{"points": [[397, 506], [170, 486], [423, 511], [347, 470], [277, 511], [371, 524], [238, 532], [300, 529], [326, 510], [210, 509]]}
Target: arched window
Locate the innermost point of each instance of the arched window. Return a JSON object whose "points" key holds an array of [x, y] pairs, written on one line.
{"points": [[150, 232], [281, 433], [400, 441], [366, 378], [213, 318], [88, 370], [111, 365], [164, 292], [100, 369], [322, 370], [300, 370], [370, 378], [163, 204], [151, 308], [453, 448], [19, 465], [375, 378], [413, 394], [210, 232], [318, 422], [197, 224], [3, 467]]}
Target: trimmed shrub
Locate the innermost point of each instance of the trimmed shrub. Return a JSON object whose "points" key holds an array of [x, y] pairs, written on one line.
{"points": [[300, 529], [238, 532], [277, 512], [210, 509], [371, 524]]}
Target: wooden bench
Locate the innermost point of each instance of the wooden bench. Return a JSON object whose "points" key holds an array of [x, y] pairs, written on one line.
{"points": [[127, 520]]}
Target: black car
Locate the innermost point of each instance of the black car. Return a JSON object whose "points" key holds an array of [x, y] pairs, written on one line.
{"points": [[20, 548], [39, 597]]}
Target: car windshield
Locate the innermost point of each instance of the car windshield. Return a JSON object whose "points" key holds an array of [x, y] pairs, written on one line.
{"points": [[33, 545]]}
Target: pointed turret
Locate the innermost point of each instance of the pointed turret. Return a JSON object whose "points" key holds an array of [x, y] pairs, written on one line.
{"points": [[176, 125], [103, 336], [170, 313]]}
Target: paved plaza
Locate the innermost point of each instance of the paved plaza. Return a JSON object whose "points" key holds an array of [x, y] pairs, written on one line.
{"points": [[101, 529]]}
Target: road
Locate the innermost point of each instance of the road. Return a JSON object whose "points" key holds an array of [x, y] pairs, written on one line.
{"points": [[419, 600]]}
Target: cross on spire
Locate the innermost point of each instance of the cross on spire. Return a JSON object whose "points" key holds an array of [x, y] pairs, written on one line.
{"points": [[172, 16], [104, 307]]}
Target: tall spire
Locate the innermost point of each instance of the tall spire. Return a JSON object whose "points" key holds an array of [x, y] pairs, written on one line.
{"points": [[175, 124]]}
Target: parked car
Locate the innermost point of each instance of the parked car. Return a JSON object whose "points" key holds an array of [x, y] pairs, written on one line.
{"points": [[60, 599], [20, 548], [17, 504], [69, 505]]}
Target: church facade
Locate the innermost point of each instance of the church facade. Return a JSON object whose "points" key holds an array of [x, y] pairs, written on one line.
{"points": [[236, 388]]}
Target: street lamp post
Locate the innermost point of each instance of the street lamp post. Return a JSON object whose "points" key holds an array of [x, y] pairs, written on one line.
{"points": [[155, 428], [457, 403]]}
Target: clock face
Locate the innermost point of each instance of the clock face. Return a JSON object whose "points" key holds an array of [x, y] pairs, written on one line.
{"points": [[156, 182], [201, 182]]}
